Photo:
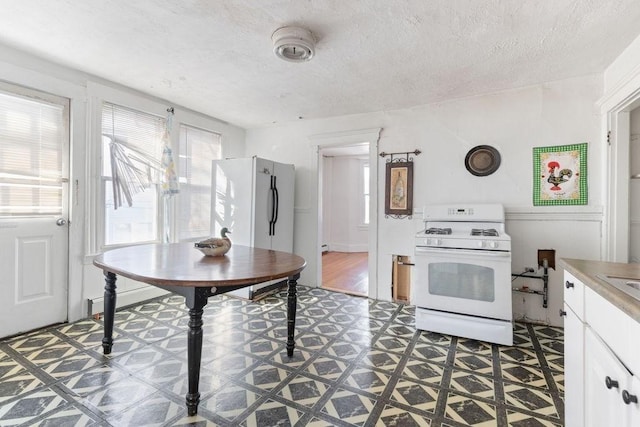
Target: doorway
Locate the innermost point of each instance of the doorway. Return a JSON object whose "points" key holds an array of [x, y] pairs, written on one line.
{"points": [[345, 219], [355, 147]]}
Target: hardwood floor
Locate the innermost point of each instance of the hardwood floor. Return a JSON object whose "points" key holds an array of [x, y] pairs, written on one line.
{"points": [[346, 272]]}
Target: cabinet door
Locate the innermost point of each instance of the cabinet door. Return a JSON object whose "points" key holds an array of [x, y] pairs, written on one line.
{"points": [[603, 397], [633, 407], [574, 369]]}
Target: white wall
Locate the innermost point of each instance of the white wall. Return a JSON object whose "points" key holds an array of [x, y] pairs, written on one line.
{"points": [[85, 280], [514, 121], [342, 228]]}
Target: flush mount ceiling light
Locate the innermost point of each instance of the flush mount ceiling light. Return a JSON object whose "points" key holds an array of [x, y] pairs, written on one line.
{"points": [[293, 44]]}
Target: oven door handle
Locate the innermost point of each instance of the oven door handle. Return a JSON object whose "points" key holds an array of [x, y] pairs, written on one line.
{"points": [[477, 253]]}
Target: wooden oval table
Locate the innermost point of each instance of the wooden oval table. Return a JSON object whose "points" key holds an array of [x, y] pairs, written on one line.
{"points": [[184, 270]]}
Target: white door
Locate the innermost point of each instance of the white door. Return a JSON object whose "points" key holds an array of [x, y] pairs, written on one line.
{"points": [[34, 171]]}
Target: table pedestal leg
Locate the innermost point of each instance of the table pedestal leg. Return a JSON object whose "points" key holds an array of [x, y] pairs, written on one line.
{"points": [[194, 351], [291, 313], [109, 310]]}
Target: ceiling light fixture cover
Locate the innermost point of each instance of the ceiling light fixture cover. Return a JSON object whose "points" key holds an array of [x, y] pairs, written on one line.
{"points": [[293, 44]]}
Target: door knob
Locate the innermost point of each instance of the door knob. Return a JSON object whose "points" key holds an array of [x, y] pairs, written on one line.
{"points": [[562, 313], [568, 284], [61, 222]]}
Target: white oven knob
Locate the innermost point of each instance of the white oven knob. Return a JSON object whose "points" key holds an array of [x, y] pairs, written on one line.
{"points": [[481, 243], [434, 242], [493, 244]]}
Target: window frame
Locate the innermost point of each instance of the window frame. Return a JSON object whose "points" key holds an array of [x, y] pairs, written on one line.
{"points": [[177, 157], [364, 198], [168, 214]]}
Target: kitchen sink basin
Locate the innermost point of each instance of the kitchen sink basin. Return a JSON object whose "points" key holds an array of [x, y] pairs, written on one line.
{"points": [[628, 285]]}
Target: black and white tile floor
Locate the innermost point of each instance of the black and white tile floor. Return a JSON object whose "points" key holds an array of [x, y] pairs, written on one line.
{"points": [[357, 362]]}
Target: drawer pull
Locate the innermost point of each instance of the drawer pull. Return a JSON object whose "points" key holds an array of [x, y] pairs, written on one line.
{"points": [[629, 398], [610, 383], [562, 313], [569, 284]]}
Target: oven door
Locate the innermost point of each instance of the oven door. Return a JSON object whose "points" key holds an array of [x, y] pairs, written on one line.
{"points": [[470, 282]]}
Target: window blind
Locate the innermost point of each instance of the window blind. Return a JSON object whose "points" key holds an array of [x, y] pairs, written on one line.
{"points": [[132, 143], [32, 138], [196, 151]]}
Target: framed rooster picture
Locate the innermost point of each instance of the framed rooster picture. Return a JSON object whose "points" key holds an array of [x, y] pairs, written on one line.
{"points": [[560, 175]]}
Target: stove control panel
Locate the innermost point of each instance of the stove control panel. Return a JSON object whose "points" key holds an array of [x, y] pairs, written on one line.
{"points": [[460, 211]]}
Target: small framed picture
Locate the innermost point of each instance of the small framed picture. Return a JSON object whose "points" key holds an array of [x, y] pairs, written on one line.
{"points": [[560, 175], [398, 198]]}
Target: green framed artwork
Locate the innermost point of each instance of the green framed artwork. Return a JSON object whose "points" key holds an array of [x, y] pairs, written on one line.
{"points": [[560, 175]]}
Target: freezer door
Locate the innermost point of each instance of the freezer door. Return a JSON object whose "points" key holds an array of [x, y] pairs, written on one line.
{"points": [[264, 210], [282, 229]]}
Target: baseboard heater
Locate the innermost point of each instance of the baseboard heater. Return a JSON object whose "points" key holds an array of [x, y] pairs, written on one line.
{"points": [[123, 299], [257, 294], [96, 305]]}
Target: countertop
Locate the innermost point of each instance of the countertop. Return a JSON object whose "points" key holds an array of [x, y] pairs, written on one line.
{"points": [[586, 271]]}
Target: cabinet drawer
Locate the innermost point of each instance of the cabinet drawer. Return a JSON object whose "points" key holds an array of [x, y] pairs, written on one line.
{"points": [[633, 336], [574, 294], [610, 323]]}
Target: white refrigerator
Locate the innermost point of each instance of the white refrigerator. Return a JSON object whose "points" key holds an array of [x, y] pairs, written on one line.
{"points": [[253, 198]]}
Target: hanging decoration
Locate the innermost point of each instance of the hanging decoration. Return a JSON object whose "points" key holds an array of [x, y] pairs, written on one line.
{"points": [[560, 175], [398, 199], [132, 171], [169, 177]]}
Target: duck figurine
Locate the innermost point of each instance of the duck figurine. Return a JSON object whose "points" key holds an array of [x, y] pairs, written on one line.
{"points": [[215, 246]]}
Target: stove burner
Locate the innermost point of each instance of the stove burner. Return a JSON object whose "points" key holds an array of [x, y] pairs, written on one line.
{"points": [[486, 232], [434, 230]]}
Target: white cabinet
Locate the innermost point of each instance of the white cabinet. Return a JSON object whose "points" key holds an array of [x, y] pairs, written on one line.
{"points": [[600, 359], [634, 407], [605, 381], [574, 368], [574, 351]]}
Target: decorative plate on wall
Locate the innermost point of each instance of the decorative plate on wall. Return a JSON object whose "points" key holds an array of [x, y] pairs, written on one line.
{"points": [[482, 160]]}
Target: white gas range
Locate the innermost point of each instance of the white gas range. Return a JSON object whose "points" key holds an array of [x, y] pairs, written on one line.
{"points": [[462, 273]]}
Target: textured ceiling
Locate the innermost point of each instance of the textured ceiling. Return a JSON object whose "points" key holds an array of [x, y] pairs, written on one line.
{"points": [[372, 55]]}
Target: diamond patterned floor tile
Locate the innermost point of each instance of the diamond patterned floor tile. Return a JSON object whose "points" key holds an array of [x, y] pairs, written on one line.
{"points": [[367, 380], [155, 410], [17, 385], [115, 397], [67, 416], [357, 362], [530, 399], [415, 395], [350, 407], [94, 379], [469, 411], [231, 401], [394, 416], [30, 406], [304, 390], [272, 413]]}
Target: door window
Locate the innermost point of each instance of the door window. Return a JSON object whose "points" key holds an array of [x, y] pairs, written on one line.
{"points": [[33, 133]]}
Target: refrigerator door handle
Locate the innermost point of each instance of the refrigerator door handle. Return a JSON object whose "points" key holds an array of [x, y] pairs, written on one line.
{"points": [[277, 204], [273, 206]]}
